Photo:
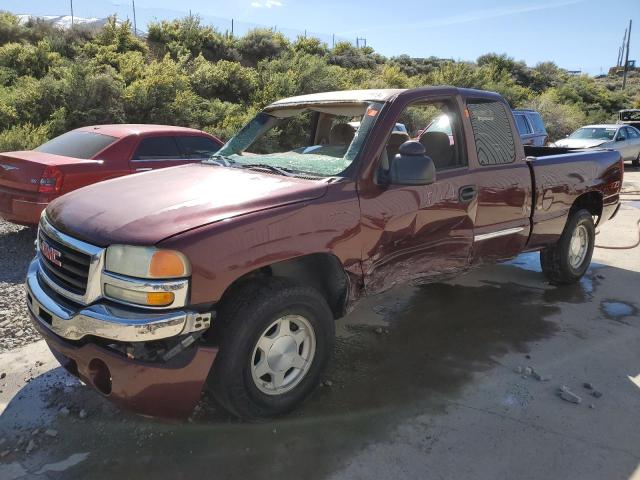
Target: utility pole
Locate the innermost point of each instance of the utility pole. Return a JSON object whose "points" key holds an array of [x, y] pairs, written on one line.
{"points": [[619, 54], [135, 26], [621, 49], [71, 2], [626, 58], [232, 27]]}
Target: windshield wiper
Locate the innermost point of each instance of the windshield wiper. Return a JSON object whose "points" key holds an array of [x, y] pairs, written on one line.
{"points": [[281, 171]]}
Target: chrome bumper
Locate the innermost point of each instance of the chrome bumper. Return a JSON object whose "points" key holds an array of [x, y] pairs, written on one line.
{"points": [[106, 321]]}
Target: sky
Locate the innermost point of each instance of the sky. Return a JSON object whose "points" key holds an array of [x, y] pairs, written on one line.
{"points": [[576, 34]]}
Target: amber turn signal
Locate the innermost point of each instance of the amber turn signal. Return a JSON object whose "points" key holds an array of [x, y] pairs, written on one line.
{"points": [[166, 264], [159, 299]]}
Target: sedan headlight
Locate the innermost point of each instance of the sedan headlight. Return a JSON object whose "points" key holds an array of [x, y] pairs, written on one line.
{"points": [[146, 262]]}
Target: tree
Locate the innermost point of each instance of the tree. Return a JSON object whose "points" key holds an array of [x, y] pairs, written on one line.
{"points": [[228, 81], [187, 36], [262, 44], [310, 46]]}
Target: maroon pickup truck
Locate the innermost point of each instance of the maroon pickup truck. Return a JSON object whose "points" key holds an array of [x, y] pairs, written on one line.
{"points": [[229, 274]]}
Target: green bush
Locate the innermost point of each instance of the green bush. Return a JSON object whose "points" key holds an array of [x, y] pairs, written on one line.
{"points": [[188, 36], [23, 137], [228, 81], [187, 73], [262, 44], [25, 59]]}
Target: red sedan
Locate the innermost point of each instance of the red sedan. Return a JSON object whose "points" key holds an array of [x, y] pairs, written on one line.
{"points": [[29, 180]]}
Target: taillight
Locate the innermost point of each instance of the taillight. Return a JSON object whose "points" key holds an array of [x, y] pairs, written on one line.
{"points": [[51, 180]]}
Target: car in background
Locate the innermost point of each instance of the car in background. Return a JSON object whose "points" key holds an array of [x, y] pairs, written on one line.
{"points": [[530, 127], [529, 123], [621, 138], [630, 117], [29, 180]]}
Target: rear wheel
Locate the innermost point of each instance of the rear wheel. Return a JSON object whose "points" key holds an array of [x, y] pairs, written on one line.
{"points": [[276, 339], [568, 260]]}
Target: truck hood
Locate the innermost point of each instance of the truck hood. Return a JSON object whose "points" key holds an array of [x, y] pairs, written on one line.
{"points": [[146, 208], [579, 143]]}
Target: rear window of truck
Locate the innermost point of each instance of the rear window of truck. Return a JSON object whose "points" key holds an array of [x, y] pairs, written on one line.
{"points": [[77, 144], [492, 132]]}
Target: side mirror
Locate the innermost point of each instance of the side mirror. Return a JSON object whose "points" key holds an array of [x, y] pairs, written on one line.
{"points": [[620, 139], [411, 166]]}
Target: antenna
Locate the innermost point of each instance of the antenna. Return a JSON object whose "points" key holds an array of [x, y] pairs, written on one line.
{"points": [[626, 58]]}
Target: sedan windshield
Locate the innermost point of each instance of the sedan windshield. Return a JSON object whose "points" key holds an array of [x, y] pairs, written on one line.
{"points": [[319, 141], [594, 133]]}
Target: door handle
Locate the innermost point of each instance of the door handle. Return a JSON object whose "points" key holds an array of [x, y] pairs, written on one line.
{"points": [[143, 169], [467, 193]]}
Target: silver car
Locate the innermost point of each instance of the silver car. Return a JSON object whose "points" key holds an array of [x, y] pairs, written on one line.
{"points": [[624, 139]]}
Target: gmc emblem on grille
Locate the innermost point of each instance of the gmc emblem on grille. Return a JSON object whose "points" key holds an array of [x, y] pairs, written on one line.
{"points": [[50, 253]]}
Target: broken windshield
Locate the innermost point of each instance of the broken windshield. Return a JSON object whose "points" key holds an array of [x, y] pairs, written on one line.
{"points": [[314, 140]]}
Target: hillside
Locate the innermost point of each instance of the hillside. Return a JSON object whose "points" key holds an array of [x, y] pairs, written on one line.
{"points": [[188, 74]]}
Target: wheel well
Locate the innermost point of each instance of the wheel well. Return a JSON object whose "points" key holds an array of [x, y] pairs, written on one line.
{"points": [[591, 202], [322, 271]]}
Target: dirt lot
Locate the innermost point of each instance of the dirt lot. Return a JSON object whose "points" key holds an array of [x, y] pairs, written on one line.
{"points": [[428, 382]]}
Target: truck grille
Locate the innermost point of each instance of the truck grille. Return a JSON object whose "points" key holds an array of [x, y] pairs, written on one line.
{"points": [[67, 267]]}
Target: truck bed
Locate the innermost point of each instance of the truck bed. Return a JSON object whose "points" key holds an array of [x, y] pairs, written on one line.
{"points": [[560, 175]]}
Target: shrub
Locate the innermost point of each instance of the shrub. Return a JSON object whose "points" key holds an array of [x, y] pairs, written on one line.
{"points": [[262, 44], [23, 137], [189, 36], [225, 80]]}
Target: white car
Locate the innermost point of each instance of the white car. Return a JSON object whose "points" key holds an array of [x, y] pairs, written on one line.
{"points": [[623, 138]]}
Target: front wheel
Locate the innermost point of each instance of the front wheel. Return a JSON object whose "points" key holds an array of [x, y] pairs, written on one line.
{"points": [[636, 162], [568, 260], [276, 339]]}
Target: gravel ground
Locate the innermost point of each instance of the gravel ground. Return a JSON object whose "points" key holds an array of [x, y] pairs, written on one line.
{"points": [[16, 251]]}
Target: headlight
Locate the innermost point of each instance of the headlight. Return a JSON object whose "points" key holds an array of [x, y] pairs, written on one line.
{"points": [[146, 262]]}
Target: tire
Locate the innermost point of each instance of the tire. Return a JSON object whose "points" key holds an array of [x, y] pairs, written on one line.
{"points": [[246, 330], [560, 264], [636, 162]]}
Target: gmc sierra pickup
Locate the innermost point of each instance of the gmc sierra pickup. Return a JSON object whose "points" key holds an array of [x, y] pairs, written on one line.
{"points": [[230, 274]]}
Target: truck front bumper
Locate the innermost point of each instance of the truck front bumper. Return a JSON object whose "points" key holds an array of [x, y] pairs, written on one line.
{"points": [[103, 319], [170, 389]]}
